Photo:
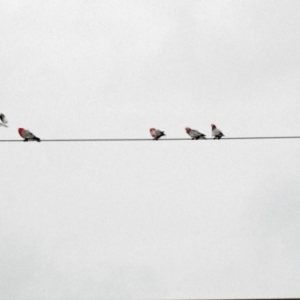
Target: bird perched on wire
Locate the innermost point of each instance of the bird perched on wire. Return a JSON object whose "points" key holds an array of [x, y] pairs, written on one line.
{"points": [[216, 133], [194, 134], [27, 135], [3, 120], [156, 134]]}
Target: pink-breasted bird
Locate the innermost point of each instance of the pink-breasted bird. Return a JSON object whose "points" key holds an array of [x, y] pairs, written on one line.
{"points": [[27, 135], [216, 133], [194, 134], [156, 134], [3, 120]]}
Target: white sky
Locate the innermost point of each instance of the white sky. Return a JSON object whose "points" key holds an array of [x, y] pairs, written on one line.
{"points": [[199, 219]]}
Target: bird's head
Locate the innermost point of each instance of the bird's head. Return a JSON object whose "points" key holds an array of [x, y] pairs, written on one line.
{"points": [[213, 126], [187, 129], [20, 130], [152, 129]]}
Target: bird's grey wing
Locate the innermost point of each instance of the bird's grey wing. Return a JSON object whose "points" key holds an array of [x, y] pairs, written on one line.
{"points": [[29, 135], [194, 133], [217, 132]]}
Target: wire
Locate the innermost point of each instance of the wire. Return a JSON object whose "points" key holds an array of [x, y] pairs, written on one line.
{"points": [[163, 139]]}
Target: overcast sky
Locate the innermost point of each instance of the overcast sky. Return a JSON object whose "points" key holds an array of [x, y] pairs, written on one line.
{"points": [[166, 219]]}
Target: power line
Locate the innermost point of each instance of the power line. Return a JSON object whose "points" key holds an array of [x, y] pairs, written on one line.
{"points": [[161, 140]]}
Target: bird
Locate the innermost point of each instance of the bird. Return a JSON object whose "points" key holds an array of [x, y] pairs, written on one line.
{"points": [[216, 133], [27, 135], [194, 134], [156, 134], [3, 120]]}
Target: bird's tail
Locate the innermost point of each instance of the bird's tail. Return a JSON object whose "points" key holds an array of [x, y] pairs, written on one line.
{"points": [[162, 133], [37, 139]]}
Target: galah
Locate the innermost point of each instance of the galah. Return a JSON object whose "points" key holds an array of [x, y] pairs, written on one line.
{"points": [[27, 135], [194, 134], [156, 134], [216, 133], [3, 120]]}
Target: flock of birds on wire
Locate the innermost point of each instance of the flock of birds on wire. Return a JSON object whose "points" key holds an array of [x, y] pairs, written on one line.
{"points": [[194, 134], [155, 133]]}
